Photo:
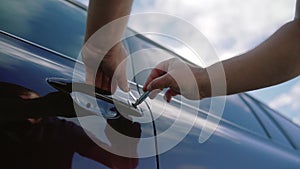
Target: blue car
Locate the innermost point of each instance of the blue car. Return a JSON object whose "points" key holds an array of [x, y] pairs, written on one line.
{"points": [[48, 121]]}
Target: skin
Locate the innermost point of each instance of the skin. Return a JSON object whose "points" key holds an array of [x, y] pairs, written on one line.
{"points": [[274, 61], [100, 13]]}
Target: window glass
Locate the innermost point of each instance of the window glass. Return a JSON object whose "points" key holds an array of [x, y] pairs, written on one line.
{"points": [[144, 55], [57, 25], [237, 112]]}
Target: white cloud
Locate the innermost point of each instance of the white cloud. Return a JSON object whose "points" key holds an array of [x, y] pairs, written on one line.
{"points": [[289, 99], [288, 103], [282, 100], [233, 26]]}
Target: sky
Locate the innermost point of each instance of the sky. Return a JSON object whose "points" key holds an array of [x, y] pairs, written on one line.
{"points": [[232, 27]]}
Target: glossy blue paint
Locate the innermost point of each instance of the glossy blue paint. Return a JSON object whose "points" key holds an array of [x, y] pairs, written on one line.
{"points": [[27, 64], [57, 25], [231, 146]]}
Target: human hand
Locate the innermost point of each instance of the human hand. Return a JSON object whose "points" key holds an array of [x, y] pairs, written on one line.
{"points": [[109, 72], [178, 77]]}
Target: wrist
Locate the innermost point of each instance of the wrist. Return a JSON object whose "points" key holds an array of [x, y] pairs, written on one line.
{"points": [[92, 55], [203, 83]]}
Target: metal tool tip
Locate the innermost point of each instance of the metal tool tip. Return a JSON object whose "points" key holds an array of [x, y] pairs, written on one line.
{"points": [[134, 105]]}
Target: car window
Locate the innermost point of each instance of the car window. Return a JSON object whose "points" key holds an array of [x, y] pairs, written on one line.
{"points": [[144, 55], [274, 132], [57, 25], [238, 113]]}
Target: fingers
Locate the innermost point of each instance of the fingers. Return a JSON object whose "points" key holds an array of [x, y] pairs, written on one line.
{"points": [[121, 77], [158, 71], [100, 81], [154, 81], [110, 72], [122, 82], [108, 83], [154, 93], [159, 79], [154, 74], [161, 82], [169, 94]]}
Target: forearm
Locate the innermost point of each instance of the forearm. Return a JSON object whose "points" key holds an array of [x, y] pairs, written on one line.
{"points": [[274, 61], [104, 29], [101, 12]]}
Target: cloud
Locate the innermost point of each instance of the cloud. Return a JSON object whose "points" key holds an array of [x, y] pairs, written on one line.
{"points": [[288, 99], [233, 26], [288, 103]]}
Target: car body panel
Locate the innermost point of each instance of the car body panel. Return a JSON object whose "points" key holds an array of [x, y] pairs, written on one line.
{"points": [[286, 126], [31, 54], [229, 147], [272, 129], [29, 66]]}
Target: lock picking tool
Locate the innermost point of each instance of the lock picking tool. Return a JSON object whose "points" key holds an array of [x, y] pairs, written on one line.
{"points": [[141, 99]]}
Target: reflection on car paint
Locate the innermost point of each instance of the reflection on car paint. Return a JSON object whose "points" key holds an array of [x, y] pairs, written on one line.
{"points": [[97, 106], [50, 142]]}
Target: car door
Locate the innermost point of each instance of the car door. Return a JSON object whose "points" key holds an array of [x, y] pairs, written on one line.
{"points": [[241, 139], [238, 142], [46, 50]]}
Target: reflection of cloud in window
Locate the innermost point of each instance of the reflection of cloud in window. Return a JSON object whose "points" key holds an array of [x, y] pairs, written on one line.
{"points": [[11, 9], [61, 31]]}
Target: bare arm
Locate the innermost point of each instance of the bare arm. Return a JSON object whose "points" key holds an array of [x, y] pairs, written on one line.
{"points": [[101, 12], [102, 52], [274, 61]]}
